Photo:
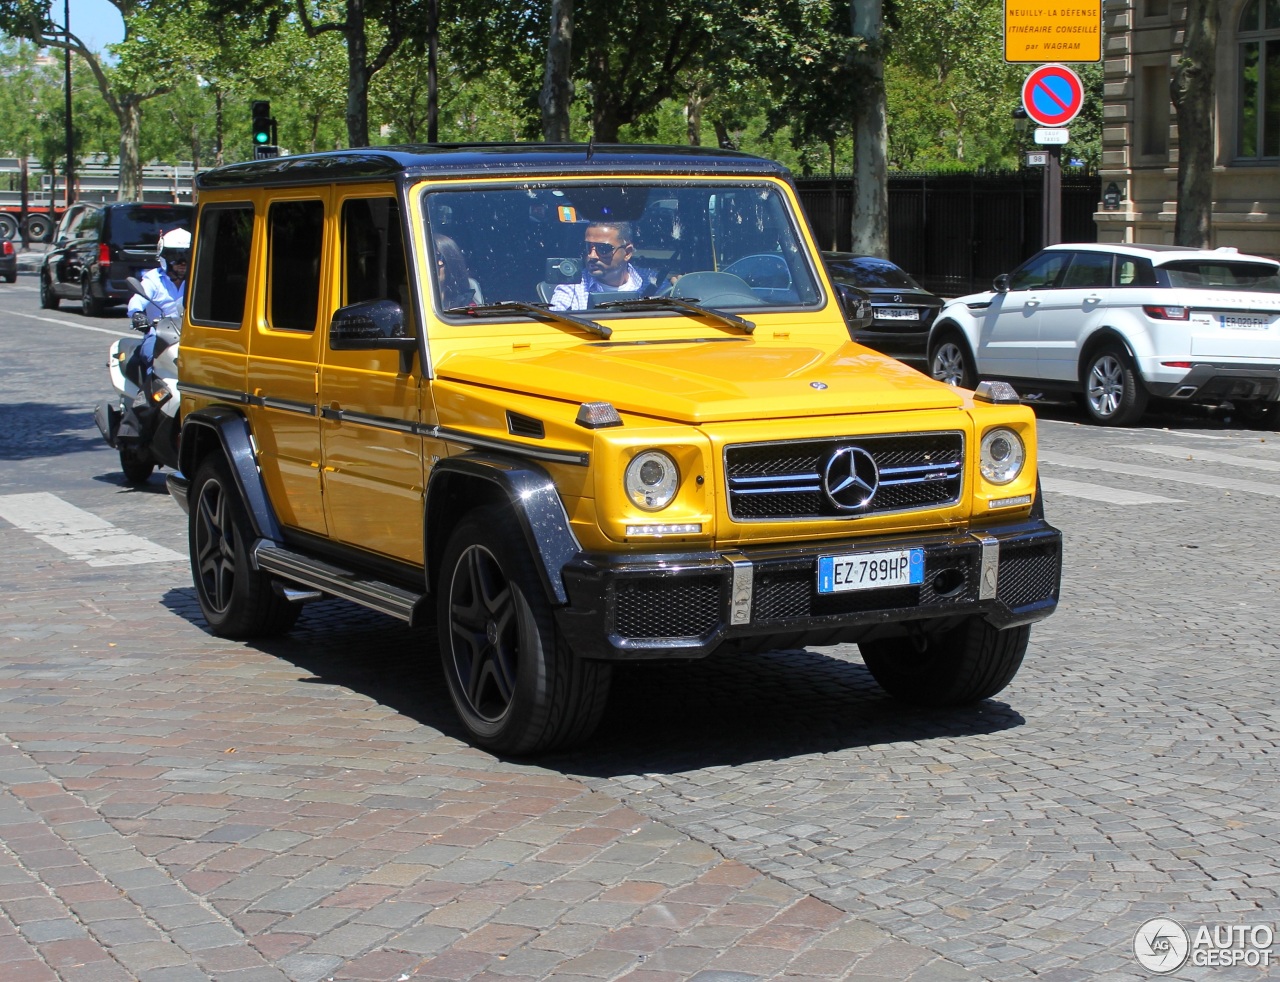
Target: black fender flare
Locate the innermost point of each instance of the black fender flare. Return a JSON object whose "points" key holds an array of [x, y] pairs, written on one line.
{"points": [[229, 429], [1103, 336], [529, 491]]}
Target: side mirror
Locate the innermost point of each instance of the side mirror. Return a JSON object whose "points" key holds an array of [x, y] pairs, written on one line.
{"points": [[372, 325], [1001, 283], [135, 285]]}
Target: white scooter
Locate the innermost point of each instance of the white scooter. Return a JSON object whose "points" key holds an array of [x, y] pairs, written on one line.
{"points": [[141, 421]]}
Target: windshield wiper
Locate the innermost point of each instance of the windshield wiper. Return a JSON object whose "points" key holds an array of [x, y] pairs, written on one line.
{"points": [[689, 305], [534, 310]]}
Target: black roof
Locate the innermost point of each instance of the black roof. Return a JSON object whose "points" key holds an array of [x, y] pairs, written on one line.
{"points": [[487, 159]]}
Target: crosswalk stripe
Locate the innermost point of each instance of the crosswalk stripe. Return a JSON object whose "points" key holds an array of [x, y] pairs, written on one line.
{"points": [[1097, 492], [1212, 456], [80, 534], [1160, 474]]}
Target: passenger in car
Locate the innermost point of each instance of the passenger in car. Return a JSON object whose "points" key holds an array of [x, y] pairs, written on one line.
{"points": [[457, 288], [606, 268]]}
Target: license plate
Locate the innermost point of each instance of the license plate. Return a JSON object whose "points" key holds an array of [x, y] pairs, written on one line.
{"points": [[1235, 322], [896, 314], [870, 570]]}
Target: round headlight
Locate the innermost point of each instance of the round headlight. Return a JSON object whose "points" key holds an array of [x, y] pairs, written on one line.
{"points": [[652, 479], [1002, 455]]}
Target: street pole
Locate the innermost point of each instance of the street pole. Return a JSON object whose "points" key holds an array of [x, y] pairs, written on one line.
{"points": [[1051, 205], [71, 166]]}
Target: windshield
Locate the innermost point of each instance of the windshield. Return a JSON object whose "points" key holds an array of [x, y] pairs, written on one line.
{"points": [[1216, 275], [576, 246]]}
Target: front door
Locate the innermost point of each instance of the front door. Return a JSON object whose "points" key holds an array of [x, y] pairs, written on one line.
{"points": [[1009, 335]]}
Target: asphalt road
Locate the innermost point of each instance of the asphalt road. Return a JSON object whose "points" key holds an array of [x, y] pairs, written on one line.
{"points": [[1129, 772]]}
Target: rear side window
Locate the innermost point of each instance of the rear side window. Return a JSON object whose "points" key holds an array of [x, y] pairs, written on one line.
{"points": [[295, 237], [221, 273], [1134, 271], [1088, 269]]}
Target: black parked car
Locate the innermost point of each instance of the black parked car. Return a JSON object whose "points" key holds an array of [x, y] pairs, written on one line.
{"points": [[902, 310], [97, 247], [8, 261]]}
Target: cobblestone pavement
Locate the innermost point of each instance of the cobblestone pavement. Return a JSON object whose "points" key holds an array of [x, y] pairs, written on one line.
{"points": [[176, 806]]}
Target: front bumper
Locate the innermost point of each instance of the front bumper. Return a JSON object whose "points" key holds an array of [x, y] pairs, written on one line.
{"points": [[688, 605], [1223, 382]]}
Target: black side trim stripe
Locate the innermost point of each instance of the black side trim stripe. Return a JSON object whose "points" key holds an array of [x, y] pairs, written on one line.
{"points": [[575, 457]]}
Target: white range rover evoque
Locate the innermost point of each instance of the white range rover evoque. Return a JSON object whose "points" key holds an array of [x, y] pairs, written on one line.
{"points": [[1120, 323]]}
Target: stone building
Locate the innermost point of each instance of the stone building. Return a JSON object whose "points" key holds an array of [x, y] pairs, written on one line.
{"points": [[1140, 133]]}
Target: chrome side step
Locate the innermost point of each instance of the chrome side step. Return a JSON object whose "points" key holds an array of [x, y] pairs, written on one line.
{"points": [[304, 571]]}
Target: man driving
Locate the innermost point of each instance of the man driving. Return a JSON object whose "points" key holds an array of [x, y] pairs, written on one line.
{"points": [[606, 267]]}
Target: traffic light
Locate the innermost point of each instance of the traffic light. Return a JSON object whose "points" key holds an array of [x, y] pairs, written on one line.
{"points": [[263, 124]]}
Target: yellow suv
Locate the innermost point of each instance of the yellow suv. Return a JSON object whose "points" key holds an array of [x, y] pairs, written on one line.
{"points": [[581, 405]]}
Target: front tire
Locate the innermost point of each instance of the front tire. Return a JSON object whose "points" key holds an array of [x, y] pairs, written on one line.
{"points": [[953, 667], [950, 362], [514, 682], [137, 466], [236, 600], [48, 299], [1113, 393]]}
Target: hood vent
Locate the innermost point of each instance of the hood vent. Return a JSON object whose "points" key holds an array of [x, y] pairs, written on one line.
{"points": [[520, 425]]}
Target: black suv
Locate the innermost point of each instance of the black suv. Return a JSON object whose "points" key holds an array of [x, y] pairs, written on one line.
{"points": [[97, 247]]}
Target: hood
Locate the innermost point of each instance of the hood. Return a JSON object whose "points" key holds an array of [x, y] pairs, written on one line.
{"points": [[709, 381]]}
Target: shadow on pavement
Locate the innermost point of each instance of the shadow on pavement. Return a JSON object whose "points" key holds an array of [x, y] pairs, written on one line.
{"points": [[662, 716], [29, 430]]}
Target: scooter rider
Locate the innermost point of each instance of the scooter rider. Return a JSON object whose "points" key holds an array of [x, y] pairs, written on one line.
{"points": [[166, 287]]}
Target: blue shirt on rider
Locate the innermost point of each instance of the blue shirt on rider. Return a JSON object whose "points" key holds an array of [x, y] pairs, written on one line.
{"points": [[164, 298]]}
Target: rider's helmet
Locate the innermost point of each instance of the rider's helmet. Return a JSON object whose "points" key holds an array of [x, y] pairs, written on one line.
{"points": [[175, 246]]}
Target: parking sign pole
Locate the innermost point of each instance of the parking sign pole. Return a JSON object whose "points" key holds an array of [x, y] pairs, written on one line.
{"points": [[1051, 198]]}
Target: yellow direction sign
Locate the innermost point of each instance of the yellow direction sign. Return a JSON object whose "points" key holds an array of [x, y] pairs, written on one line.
{"points": [[1040, 30]]}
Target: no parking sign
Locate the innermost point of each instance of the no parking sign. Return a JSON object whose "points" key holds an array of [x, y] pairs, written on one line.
{"points": [[1052, 95]]}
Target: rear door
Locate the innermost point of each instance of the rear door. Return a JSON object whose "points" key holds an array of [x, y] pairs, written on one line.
{"points": [[1068, 313]]}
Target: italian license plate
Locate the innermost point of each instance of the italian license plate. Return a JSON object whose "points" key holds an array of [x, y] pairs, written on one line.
{"points": [[896, 314], [870, 570]]}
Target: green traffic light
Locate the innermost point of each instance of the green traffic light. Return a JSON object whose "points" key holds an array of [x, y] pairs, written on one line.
{"points": [[261, 137]]}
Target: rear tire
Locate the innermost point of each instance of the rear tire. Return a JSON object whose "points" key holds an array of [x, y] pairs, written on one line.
{"points": [[90, 305], [237, 600], [514, 682], [137, 466], [967, 663], [950, 362], [48, 299], [1113, 393]]}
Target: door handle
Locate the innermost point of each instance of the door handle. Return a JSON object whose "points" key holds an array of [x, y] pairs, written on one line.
{"points": [[1032, 303]]}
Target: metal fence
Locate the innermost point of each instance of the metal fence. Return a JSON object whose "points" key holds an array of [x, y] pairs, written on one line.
{"points": [[955, 232]]}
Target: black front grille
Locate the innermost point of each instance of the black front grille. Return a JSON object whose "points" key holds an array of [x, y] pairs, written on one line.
{"points": [[688, 607], [785, 480]]}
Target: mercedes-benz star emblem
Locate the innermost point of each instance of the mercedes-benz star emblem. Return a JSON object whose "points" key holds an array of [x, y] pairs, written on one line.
{"points": [[850, 478], [897, 298]]}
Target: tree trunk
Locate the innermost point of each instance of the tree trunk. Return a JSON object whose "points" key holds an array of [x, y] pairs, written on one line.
{"points": [[604, 110], [724, 139], [693, 115], [217, 131], [557, 83], [130, 116], [23, 189], [433, 84], [870, 224], [1192, 88], [357, 76]]}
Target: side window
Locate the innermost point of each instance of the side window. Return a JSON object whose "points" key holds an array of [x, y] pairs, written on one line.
{"points": [[295, 237], [221, 274], [1088, 269], [1039, 272], [374, 266], [1134, 271]]}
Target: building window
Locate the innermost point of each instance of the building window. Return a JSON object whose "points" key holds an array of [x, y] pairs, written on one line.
{"points": [[1156, 8], [1259, 35], [1153, 112]]}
